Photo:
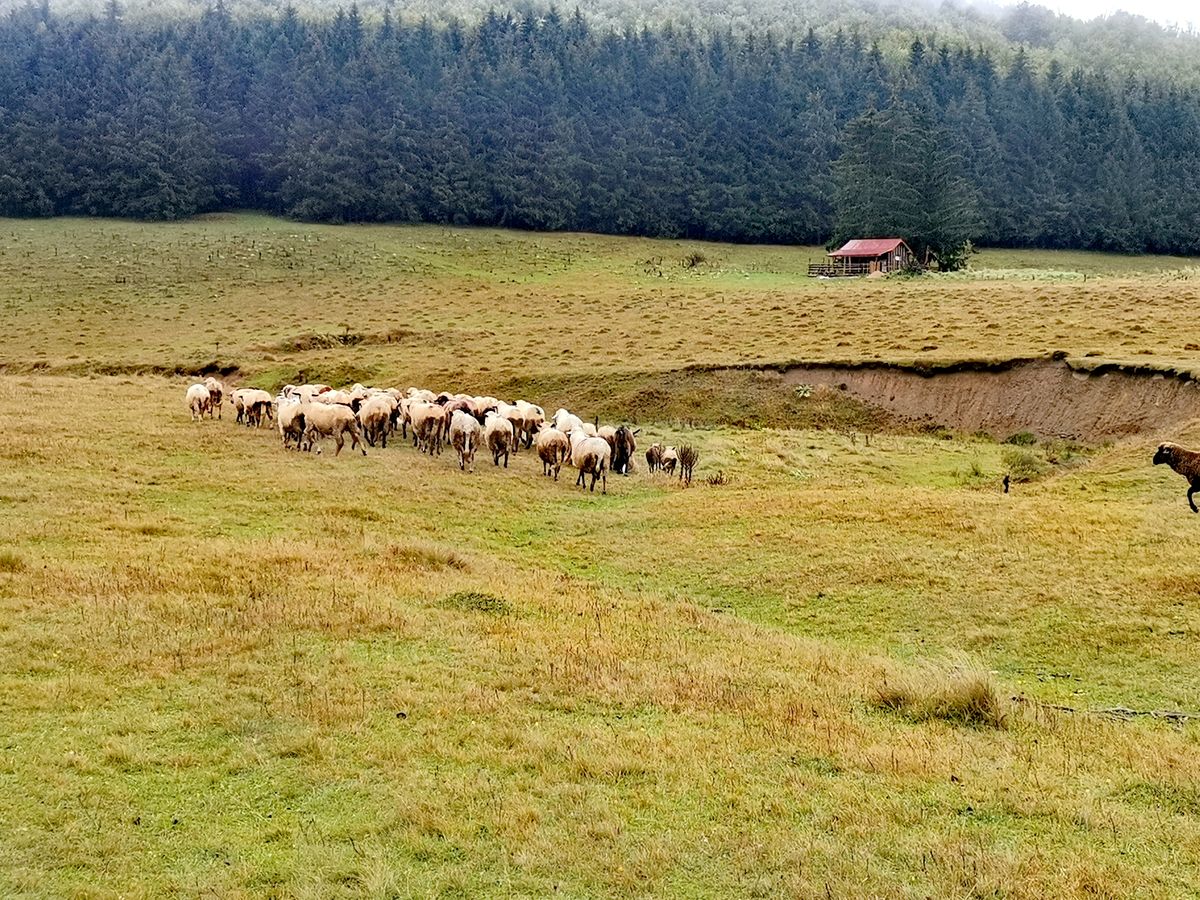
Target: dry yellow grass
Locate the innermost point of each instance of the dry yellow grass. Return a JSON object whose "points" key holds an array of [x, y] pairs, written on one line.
{"points": [[434, 304], [231, 670]]}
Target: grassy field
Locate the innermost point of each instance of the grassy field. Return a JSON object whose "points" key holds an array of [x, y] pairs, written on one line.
{"points": [[232, 671], [426, 303]]}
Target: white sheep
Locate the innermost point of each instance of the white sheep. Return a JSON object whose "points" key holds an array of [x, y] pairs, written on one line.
{"points": [[290, 419], [465, 436], [376, 416], [216, 393], [198, 399], [257, 406], [429, 425], [591, 456], [332, 420]]}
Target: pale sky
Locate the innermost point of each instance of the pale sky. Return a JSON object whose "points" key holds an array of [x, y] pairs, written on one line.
{"points": [[1182, 13]]}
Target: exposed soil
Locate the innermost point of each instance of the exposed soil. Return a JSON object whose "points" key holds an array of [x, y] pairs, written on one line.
{"points": [[1047, 397]]}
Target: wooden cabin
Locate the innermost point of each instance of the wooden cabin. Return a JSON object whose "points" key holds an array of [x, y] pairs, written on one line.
{"points": [[865, 257]]}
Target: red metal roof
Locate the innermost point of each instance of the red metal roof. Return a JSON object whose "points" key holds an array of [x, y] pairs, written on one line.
{"points": [[870, 247]]}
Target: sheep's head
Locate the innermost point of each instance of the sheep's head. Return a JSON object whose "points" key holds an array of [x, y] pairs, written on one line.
{"points": [[1164, 453]]}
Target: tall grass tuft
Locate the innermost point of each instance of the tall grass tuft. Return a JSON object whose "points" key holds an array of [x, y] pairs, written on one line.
{"points": [[11, 561], [962, 695]]}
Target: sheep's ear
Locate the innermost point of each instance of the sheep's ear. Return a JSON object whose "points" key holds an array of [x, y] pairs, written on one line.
{"points": [[637, 431]]}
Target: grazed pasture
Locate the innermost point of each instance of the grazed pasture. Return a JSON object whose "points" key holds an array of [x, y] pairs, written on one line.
{"points": [[438, 303], [226, 669]]}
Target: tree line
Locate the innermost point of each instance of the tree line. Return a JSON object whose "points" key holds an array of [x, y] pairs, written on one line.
{"points": [[543, 121]]}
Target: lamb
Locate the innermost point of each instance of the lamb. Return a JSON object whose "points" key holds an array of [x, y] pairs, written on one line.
{"points": [[591, 456], [198, 399], [216, 392], [375, 415], [1185, 462], [465, 435], [331, 420], [654, 457], [670, 458], [290, 420], [498, 432], [553, 448]]}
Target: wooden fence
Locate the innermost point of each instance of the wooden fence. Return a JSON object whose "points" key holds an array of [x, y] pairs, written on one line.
{"points": [[838, 270]]}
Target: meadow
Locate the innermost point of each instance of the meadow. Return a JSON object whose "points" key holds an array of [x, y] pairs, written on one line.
{"points": [[233, 671]]}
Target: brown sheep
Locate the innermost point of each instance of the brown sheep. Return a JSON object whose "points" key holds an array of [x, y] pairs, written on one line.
{"points": [[654, 457], [553, 448], [1185, 462], [498, 432]]}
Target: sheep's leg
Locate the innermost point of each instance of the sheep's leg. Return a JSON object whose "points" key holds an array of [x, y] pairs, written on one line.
{"points": [[1195, 486], [341, 442]]}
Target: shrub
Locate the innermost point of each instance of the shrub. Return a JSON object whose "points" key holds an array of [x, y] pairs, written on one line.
{"points": [[10, 561], [963, 695], [1024, 465], [476, 601], [1021, 439]]}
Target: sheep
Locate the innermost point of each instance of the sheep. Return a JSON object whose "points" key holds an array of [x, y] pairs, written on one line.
{"points": [[465, 434], [532, 418], [498, 432], [516, 419], [1185, 462], [670, 458], [290, 419], [428, 422], [257, 407], [553, 449], [566, 422], [239, 405], [331, 420], [654, 457], [375, 416], [198, 399], [481, 406], [216, 393], [688, 457], [591, 456], [624, 446]]}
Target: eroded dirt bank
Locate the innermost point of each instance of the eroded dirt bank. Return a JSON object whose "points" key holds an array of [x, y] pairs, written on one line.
{"points": [[1050, 398]]}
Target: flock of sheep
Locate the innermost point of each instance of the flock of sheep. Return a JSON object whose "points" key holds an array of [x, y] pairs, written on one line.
{"points": [[308, 413]]}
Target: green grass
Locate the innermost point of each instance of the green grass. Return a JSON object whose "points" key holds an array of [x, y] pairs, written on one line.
{"points": [[229, 669]]}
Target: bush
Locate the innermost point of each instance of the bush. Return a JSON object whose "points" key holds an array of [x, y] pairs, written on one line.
{"points": [[1021, 439], [1024, 465], [476, 601], [963, 695]]}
